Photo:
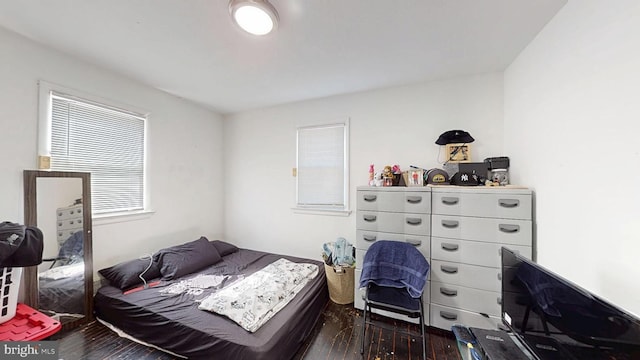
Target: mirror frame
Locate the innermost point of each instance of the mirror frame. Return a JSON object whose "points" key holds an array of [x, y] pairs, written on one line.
{"points": [[30, 178]]}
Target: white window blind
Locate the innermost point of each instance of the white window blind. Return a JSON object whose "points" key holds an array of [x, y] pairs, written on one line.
{"points": [[108, 143], [322, 167]]}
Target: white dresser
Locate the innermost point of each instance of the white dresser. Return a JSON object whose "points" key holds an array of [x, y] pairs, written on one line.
{"points": [[392, 213], [68, 221], [469, 225]]}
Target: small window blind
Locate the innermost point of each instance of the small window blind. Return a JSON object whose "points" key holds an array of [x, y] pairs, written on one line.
{"points": [[321, 163], [108, 143]]}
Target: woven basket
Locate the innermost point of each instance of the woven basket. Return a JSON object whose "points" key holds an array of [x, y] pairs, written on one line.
{"points": [[340, 283]]}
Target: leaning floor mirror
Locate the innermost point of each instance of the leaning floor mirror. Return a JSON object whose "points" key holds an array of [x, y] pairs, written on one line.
{"points": [[59, 204]]}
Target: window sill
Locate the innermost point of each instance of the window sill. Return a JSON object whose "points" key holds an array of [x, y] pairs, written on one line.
{"points": [[106, 219], [327, 212]]}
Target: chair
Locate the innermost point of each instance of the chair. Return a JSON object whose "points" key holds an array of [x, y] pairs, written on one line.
{"points": [[71, 251], [394, 274]]}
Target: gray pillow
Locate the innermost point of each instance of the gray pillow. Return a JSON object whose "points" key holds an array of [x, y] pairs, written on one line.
{"points": [[186, 258], [224, 248], [125, 275]]}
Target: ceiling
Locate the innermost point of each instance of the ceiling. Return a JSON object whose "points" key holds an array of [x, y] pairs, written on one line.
{"points": [[191, 49]]}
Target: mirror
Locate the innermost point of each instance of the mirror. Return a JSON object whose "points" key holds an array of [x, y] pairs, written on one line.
{"points": [[59, 204]]}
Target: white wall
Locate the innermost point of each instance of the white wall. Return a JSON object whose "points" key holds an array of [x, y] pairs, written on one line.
{"points": [[184, 153], [572, 118], [392, 126]]}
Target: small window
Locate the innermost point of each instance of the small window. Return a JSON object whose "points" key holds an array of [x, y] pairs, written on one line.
{"points": [[322, 168], [108, 142]]}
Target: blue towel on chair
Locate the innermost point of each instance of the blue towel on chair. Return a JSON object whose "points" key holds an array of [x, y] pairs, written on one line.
{"points": [[395, 264]]}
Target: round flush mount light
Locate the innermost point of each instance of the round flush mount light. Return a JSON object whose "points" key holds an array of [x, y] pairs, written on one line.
{"points": [[257, 17]]}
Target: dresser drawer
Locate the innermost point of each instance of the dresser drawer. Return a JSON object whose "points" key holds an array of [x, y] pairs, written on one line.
{"points": [[503, 231], [365, 238], [498, 205], [63, 235], [71, 212], [473, 252], [414, 224], [461, 297], [445, 317], [69, 223], [395, 201], [477, 277]]}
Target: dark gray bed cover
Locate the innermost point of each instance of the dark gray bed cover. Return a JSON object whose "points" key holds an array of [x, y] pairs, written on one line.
{"points": [[176, 324]]}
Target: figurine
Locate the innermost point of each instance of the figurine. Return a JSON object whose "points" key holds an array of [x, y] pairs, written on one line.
{"points": [[378, 179], [371, 175]]}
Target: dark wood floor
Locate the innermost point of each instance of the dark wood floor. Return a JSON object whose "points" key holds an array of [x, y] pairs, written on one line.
{"points": [[336, 336]]}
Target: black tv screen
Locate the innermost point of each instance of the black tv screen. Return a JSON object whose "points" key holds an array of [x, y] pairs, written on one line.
{"points": [[556, 319]]}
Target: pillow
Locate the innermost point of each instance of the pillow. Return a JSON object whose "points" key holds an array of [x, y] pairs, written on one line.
{"points": [[125, 274], [224, 248], [184, 259]]}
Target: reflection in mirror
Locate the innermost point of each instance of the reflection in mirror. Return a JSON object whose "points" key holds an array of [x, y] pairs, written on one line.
{"points": [[61, 274], [59, 206]]}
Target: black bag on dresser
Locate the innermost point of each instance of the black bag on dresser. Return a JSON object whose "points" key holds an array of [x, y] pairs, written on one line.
{"points": [[20, 245]]}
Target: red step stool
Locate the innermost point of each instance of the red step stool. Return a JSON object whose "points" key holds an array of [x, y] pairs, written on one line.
{"points": [[28, 325]]}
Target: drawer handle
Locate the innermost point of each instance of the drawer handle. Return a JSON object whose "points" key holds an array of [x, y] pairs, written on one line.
{"points": [[449, 247], [414, 221], [369, 238], [448, 292], [449, 316], [369, 218], [448, 269], [450, 200], [370, 198], [499, 300], [450, 224], [509, 203], [414, 199], [500, 276], [485, 315], [509, 229], [414, 242]]}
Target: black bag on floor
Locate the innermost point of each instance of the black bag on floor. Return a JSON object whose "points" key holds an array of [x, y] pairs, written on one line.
{"points": [[20, 245]]}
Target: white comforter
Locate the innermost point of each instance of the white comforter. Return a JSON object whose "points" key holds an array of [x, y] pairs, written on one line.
{"points": [[254, 300]]}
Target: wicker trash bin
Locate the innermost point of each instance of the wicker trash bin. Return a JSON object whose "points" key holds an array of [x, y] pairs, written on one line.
{"points": [[341, 283]]}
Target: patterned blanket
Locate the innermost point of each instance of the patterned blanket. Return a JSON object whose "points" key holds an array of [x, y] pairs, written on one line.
{"points": [[254, 300]]}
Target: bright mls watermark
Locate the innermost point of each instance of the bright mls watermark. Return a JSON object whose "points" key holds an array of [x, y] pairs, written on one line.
{"points": [[31, 350]]}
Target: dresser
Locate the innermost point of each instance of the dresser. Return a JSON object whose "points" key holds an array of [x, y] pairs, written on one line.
{"points": [[392, 213], [469, 225], [68, 221]]}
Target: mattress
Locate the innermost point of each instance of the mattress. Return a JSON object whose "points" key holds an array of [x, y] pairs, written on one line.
{"points": [[61, 289], [174, 322]]}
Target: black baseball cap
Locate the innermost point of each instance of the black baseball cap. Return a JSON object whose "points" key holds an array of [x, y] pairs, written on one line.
{"points": [[454, 136]]}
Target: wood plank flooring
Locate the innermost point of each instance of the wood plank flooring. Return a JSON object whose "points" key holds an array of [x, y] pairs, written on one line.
{"points": [[337, 335]]}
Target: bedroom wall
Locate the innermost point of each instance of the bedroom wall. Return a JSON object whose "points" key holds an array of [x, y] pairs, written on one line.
{"points": [[572, 115], [184, 150], [391, 126]]}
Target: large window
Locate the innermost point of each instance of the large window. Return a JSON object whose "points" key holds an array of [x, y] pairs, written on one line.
{"points": [[322, 168], [81, 134]]}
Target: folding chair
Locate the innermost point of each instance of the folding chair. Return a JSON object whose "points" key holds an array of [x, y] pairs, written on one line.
{"points": [[394, 274]]}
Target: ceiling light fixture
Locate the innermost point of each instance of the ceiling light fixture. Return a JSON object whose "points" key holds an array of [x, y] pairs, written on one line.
{"points": [[257, 17]]}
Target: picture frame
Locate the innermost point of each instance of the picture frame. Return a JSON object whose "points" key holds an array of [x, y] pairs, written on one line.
{"points": [[458, 152], [415, 177]]}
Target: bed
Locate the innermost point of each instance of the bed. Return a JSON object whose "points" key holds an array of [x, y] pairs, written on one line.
{"points": [[173, 322], [61, 287], [61, 290]]}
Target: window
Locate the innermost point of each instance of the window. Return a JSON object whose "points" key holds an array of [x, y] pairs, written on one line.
{"points": [[81, 134], [322, 168]]}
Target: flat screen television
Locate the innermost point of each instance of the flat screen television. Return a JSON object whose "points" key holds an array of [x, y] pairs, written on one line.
{"points": [[556, 319]]}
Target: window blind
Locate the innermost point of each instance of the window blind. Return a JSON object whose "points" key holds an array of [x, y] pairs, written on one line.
{"points": [[106, 142], [321, 167]]}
